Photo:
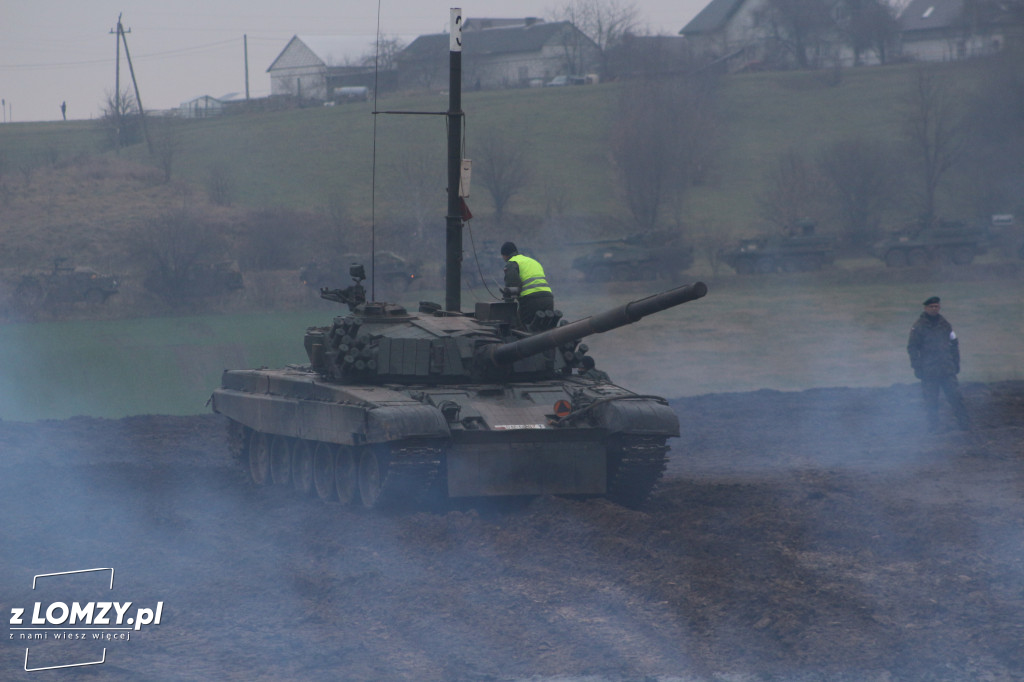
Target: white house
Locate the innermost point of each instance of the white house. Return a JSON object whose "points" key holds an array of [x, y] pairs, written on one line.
{"points": [[945, 30], [310, 66]]}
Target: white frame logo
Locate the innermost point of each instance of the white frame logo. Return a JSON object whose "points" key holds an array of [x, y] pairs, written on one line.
{"points": [[100, 618]]}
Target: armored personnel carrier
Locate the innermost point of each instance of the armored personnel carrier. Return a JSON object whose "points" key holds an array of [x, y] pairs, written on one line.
{"points": [[65, 284], [636, 257], [945, 241], [397, 407], [800, 250]]}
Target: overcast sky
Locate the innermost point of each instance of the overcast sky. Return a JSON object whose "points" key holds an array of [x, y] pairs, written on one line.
{"points": [[54, 51]]}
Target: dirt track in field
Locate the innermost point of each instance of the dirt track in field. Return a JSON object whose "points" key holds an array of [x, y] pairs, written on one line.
{"points": [[796, 536]]}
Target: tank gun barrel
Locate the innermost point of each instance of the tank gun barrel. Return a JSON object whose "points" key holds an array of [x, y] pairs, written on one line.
{"points": [[627, 313]]}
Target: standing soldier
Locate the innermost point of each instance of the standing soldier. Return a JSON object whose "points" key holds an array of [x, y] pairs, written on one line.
{"points": [[525, 280], [935, 356]]}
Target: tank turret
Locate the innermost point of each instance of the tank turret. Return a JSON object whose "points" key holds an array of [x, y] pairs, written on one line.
{"points": [[383, 343]]}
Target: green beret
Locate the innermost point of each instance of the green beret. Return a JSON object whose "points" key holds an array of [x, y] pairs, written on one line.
{"points": [[930, 301]]}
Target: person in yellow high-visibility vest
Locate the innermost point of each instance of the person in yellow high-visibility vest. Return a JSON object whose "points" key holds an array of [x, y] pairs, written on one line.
{"points": [[525, 281]]}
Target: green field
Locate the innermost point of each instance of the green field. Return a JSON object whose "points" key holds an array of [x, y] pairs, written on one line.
{"points": [[308, 158], [747, 334]]}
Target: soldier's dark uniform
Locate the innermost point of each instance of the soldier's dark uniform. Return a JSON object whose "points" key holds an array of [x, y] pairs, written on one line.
{"points": [[935, 356]]}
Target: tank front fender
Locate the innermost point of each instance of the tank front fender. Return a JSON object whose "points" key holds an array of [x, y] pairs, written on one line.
{"points": [[398, 422], [637, 415]]}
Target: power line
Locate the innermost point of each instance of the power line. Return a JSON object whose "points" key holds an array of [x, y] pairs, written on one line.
{"points": [[151, 55]]}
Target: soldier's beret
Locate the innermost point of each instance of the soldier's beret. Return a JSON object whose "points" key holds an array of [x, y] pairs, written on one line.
{"points": [[932, 300]]}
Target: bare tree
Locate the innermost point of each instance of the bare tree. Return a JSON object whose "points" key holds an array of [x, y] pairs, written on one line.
{"points": [[166, 144], [935, 130], [663, 147], [422, 180], [385, 55], [121, 119], [793, 192], [172, 245], [868, 25], [860, 176], [500, 167], [606, 22], [798, 26]]}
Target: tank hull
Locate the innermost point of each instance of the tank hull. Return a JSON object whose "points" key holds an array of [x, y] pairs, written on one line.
{"points": [[562, 436]]}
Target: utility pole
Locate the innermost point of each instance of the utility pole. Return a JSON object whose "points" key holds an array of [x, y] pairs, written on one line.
{"points": [[135, 84], [118, 105], [245, 45]]}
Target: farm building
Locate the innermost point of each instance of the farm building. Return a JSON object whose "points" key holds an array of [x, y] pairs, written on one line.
{"points": [[314, 67], [500, 54], [948, 30]]}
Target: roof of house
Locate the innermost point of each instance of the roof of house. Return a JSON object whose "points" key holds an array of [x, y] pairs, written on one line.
{"points": [[502, 40], [924, 15], [712, 17], [333, 50]]}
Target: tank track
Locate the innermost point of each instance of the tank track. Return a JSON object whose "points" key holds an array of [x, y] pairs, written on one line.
{"points": [[412, 475], [635, 465], [238, 441]]}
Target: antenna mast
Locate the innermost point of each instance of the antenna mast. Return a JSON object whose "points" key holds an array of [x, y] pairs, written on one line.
{"points": [[453, 233]]}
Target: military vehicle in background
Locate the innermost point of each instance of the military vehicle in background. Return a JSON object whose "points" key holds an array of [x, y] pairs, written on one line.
{"points": [[799, 250], [943, 241], [397, 407], [393, 273], [636, 257], [65, 284], [196, 281]]}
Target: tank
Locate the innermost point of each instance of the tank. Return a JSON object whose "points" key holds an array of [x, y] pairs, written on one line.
{"points": [[636, 257], [65, 284], [800, 250], [398, 407], [394, 273], [944, 241]]}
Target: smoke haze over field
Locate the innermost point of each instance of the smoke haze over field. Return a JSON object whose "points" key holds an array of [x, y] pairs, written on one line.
{"points": [[803, 536], [53, 51]]}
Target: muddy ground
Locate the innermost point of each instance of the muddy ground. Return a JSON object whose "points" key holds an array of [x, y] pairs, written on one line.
{"points": [[819, 535]]}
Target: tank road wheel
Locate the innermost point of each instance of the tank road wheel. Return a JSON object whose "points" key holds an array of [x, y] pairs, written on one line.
{"points": [[896, 259], [763, 266], [917, 257], [962, 255], [281, 460], [323, 470], [259, 458], [809, 263], [744, 267], [302, 467], [346, 479], [372, 468], [94, 297]]}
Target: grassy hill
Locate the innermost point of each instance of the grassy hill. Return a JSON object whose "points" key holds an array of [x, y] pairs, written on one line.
{"points": [[53, 194]]}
